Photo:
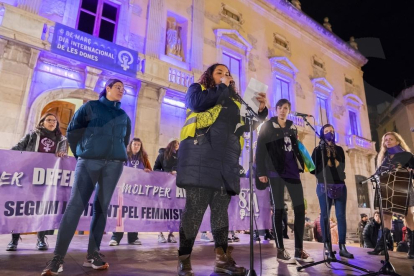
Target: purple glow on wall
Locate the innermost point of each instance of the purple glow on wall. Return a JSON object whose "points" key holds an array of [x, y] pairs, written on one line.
{"points": [[174, 102]]}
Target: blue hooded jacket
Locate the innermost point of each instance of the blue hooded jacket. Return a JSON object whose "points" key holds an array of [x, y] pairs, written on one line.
{"points": [[100, 130]]}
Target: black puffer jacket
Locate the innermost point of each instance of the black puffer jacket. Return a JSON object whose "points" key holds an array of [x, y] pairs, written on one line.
{"points": [[371, 232], [213, 161], [165, 165], [270, 151]]}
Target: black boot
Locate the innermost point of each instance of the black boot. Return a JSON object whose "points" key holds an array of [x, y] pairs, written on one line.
{"points": [[326, 246], [344, 253], [410, 254], [378, 250], [41, 243]]}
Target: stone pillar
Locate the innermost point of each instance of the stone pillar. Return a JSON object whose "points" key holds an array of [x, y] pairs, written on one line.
{"points": [[156, 28], [92, 76], [17, 63], [25, 109], [148, 117], [197, 36], [32, 6]]}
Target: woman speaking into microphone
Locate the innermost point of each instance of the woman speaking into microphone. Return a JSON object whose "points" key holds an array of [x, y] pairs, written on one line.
{"points": [[208, 163]]}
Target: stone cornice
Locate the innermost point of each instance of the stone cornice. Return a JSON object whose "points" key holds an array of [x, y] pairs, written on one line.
{"points": [[305, 23]]}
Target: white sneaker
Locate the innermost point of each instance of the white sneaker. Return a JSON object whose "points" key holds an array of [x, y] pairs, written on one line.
{"points": [[60, 269], [206, 238], [161, 238], [136, 242], [113, 243]]}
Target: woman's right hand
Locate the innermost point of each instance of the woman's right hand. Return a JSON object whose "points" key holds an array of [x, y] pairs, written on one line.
{"points": [[61, 154], [263, 179], [226, 80]]}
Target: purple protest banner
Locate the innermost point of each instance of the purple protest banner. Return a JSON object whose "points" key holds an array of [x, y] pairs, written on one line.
{"points": [[35, 189]]}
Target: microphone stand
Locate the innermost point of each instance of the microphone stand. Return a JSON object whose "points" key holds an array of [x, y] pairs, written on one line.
{"points": [[250, 114], [387, 268], [330, 255]]}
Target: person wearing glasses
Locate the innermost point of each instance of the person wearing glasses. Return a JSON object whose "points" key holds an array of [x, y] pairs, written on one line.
{"points": [[98, 135], [46, 138]]}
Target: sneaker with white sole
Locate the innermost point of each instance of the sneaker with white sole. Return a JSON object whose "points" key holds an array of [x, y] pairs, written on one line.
{"points": [[136, 242], [302, 256], [161, 238], [206, 238], [95, 261], [171, 239], [54, 266], [284, 257], [113, 243]]}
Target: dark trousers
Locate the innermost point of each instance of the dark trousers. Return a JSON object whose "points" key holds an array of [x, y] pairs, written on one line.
{"points": [[40, 234], [195, 206], [296, 193], [88, 173], [340, 210], [117, 236]]}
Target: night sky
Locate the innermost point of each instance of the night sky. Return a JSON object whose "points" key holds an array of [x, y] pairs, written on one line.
{"points": [[384, 31]]}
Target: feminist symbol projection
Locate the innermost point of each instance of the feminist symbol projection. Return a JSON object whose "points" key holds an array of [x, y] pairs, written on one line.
{"points": [[125, 58]]}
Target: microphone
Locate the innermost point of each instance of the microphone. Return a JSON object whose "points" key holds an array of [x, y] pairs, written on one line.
{"points": [[301, 114]]}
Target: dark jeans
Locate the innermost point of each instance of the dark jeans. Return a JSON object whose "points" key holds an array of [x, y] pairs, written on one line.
{"points": [[40, 234], [117, 236], [195, 206], [340, 210], [296, 193], [88, 173]]}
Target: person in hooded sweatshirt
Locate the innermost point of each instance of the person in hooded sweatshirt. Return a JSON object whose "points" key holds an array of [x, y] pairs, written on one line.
{"points": [[46, 138], [167, 162]]}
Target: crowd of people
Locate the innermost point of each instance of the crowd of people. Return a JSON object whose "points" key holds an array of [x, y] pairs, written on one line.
{"points": [[205, 161]]}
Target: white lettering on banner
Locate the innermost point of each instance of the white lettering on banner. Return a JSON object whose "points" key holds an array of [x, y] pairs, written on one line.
{"points": [[51, 177], [244, 203], [148, 187], [180, 192], [65, 177], [5, 178], [138, 190], [15, 179], [38, 176]]}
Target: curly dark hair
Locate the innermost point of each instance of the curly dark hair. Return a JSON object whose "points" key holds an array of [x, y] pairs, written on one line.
{"points": [[208, 82]]}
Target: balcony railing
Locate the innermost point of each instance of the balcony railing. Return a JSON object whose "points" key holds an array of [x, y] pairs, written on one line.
{"points": [[356, 142], [181, 77], [26, 27], [298, 121]]}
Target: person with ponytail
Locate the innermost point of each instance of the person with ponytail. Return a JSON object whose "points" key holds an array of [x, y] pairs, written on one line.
{"points": [[98, 135]]}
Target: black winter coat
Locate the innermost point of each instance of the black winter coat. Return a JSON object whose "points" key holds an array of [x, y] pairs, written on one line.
{"points": [[371, 233], [165, 165], [213, 161], [270, 151], [334, 175]]}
